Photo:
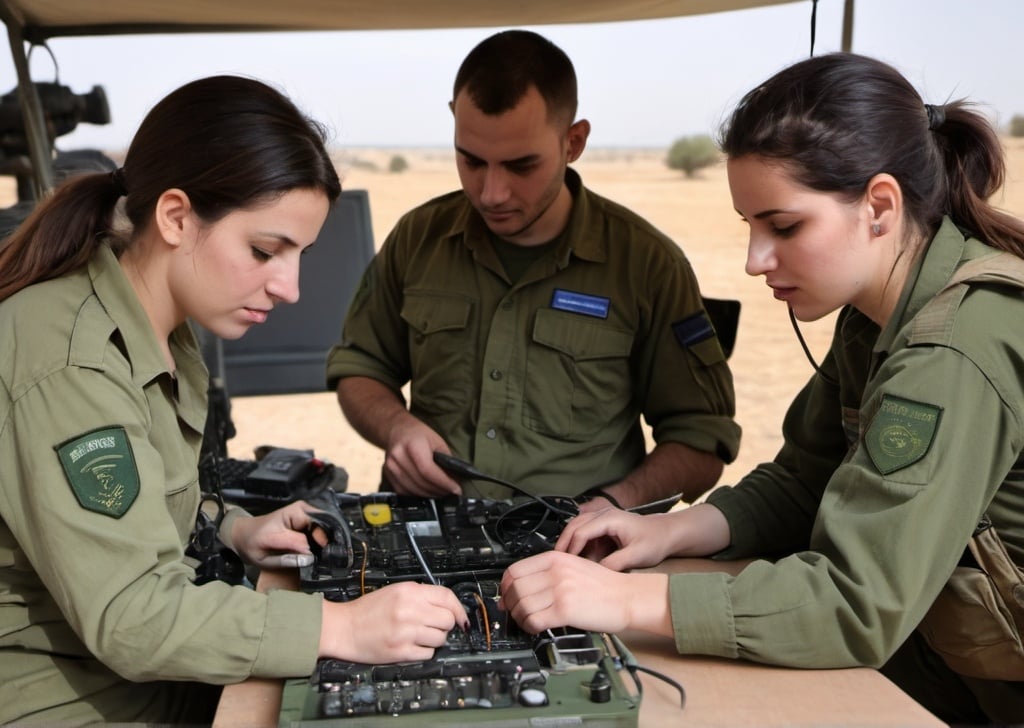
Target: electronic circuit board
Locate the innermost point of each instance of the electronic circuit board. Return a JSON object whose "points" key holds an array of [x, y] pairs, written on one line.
{"points": [[492, 673]]}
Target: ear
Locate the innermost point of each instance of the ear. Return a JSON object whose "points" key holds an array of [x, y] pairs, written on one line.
{"points": [[173, 215], [884, 199], [577, 139], [451, 106]]}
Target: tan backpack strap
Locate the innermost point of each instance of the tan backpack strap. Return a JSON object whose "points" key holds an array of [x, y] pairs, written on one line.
{"points": [[934, 321], [991, 555]]}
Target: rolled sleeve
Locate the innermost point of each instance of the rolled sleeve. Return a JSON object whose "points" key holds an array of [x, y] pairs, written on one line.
{"points": [[291, 636], [702, 621]]}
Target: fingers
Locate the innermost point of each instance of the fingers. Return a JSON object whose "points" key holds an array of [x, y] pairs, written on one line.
{"points": [[556, 589], [411, 470], [530, 592], [286, 561], [399, 622], [580, 530]]}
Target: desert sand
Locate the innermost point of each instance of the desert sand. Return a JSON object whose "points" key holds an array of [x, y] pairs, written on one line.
{"points": [[768, 364]]}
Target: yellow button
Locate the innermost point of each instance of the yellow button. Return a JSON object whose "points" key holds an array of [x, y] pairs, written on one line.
{"points": [[377, 514]]}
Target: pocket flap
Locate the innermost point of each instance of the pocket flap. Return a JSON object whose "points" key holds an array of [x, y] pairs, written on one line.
{"points": [[428, 313], [579, 337]]}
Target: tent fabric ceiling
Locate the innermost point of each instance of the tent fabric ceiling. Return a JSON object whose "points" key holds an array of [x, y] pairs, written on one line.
{"points": [[43, 19]]}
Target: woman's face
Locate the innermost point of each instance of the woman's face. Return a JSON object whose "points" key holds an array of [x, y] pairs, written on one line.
{"points": [[813, 248], [229, 275]]}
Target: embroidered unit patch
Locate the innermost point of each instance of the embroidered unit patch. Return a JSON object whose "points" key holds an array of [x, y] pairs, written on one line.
{"points": [[900, 433], [100, 467], [596, 306], [693, 329]]}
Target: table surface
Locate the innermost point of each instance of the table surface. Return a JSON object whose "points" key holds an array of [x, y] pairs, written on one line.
{"points": [[719, 692]]}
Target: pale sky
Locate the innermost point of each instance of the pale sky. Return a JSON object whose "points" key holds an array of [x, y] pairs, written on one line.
{"points": [[642, 83]]}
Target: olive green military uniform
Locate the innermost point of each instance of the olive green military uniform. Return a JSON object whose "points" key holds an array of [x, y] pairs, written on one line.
{"points": [[542, 381], [99, 618], [892, 453]]}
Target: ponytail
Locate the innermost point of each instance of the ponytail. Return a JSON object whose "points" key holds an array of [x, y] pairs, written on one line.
{"points": [[60, 234], [975, 168]]}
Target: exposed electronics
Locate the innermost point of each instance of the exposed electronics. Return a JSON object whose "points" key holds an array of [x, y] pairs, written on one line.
{"points": [[492, 674]]}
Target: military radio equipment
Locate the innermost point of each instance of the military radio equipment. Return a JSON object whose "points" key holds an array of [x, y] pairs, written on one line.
{"points": [[492, 673]]}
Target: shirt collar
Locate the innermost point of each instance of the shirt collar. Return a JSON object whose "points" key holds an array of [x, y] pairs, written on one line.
{"points": [[118, 298], [578, 239], [929, 274]]}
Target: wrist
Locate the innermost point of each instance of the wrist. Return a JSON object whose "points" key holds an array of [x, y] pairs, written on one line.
{"points": [[233, 517], [335, 631], [649, 604], [593, 493]]}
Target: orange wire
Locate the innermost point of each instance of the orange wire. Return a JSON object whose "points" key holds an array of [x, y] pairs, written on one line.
{"points": [[483, 618]]}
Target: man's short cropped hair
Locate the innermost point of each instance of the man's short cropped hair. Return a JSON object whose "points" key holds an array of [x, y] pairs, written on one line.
{"points": [[499, 71]]}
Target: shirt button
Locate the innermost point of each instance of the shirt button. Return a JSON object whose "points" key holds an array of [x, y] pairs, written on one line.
{"points": [[507, 305], [491, 434], [495, 374]]}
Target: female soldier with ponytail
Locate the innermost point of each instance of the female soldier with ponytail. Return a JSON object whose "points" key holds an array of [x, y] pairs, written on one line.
{"points": [[102, 408], [901, 474]]}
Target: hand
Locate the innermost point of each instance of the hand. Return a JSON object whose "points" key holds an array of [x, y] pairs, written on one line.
{"points": [[556, 589], [597, 503], [401, 622], [276, 540], [618, 539], [409, 461]]}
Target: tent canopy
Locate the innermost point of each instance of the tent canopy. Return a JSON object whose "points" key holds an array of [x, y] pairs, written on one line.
{"points": [[35, 21], [41, 19]]}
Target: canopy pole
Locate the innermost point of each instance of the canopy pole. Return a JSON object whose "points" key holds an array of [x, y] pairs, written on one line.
{"points": [[847, 44], [31, 108]]}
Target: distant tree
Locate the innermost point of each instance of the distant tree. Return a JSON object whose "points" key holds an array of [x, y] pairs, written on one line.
{"points": [[1017, 125], [398, 164], [692, 153]]}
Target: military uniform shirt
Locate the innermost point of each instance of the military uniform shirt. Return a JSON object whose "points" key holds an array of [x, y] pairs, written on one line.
{"points": [[95, 592], [892, 453], [542, 382]]}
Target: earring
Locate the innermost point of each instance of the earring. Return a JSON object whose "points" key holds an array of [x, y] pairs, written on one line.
{"points": [[876, 229]]}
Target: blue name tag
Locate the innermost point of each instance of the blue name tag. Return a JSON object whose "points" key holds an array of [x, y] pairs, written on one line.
{"points": [[596, 306]]}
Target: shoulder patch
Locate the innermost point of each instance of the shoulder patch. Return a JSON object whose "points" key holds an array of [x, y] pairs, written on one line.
{"points": [[900, 433], [693, 329], [101, 470]]}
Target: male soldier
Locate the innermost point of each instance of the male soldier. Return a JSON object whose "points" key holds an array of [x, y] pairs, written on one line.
{"points": [[536, 320]]}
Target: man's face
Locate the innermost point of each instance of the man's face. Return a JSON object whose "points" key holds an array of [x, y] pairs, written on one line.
{"points": [[512, 167]]}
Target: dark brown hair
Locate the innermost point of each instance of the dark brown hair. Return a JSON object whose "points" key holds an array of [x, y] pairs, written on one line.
{"points": [[499, 71], [837, 120], [228, 142]]}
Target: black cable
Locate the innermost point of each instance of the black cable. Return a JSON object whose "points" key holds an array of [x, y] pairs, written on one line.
{"points": [[460, 468], [814, 23], [807, 350], [803, 344], [630, 663], [661, 676]]}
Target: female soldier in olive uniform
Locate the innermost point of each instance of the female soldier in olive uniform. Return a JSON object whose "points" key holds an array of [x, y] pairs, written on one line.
{"points": [[102, 409], [860, 197]]}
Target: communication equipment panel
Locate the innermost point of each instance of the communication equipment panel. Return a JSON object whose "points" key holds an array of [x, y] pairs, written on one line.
{"points": [[494, 672]]}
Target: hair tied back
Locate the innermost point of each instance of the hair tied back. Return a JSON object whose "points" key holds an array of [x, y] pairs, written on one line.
{"points": [[118, 181], [936, 116]]}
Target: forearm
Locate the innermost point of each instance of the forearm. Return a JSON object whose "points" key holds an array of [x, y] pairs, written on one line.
{"points": [[371, 407], [670, 468]]}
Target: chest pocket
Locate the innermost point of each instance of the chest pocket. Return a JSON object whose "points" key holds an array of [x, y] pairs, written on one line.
{"points": [[178, 448], [440, 353], [577, 375]]}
